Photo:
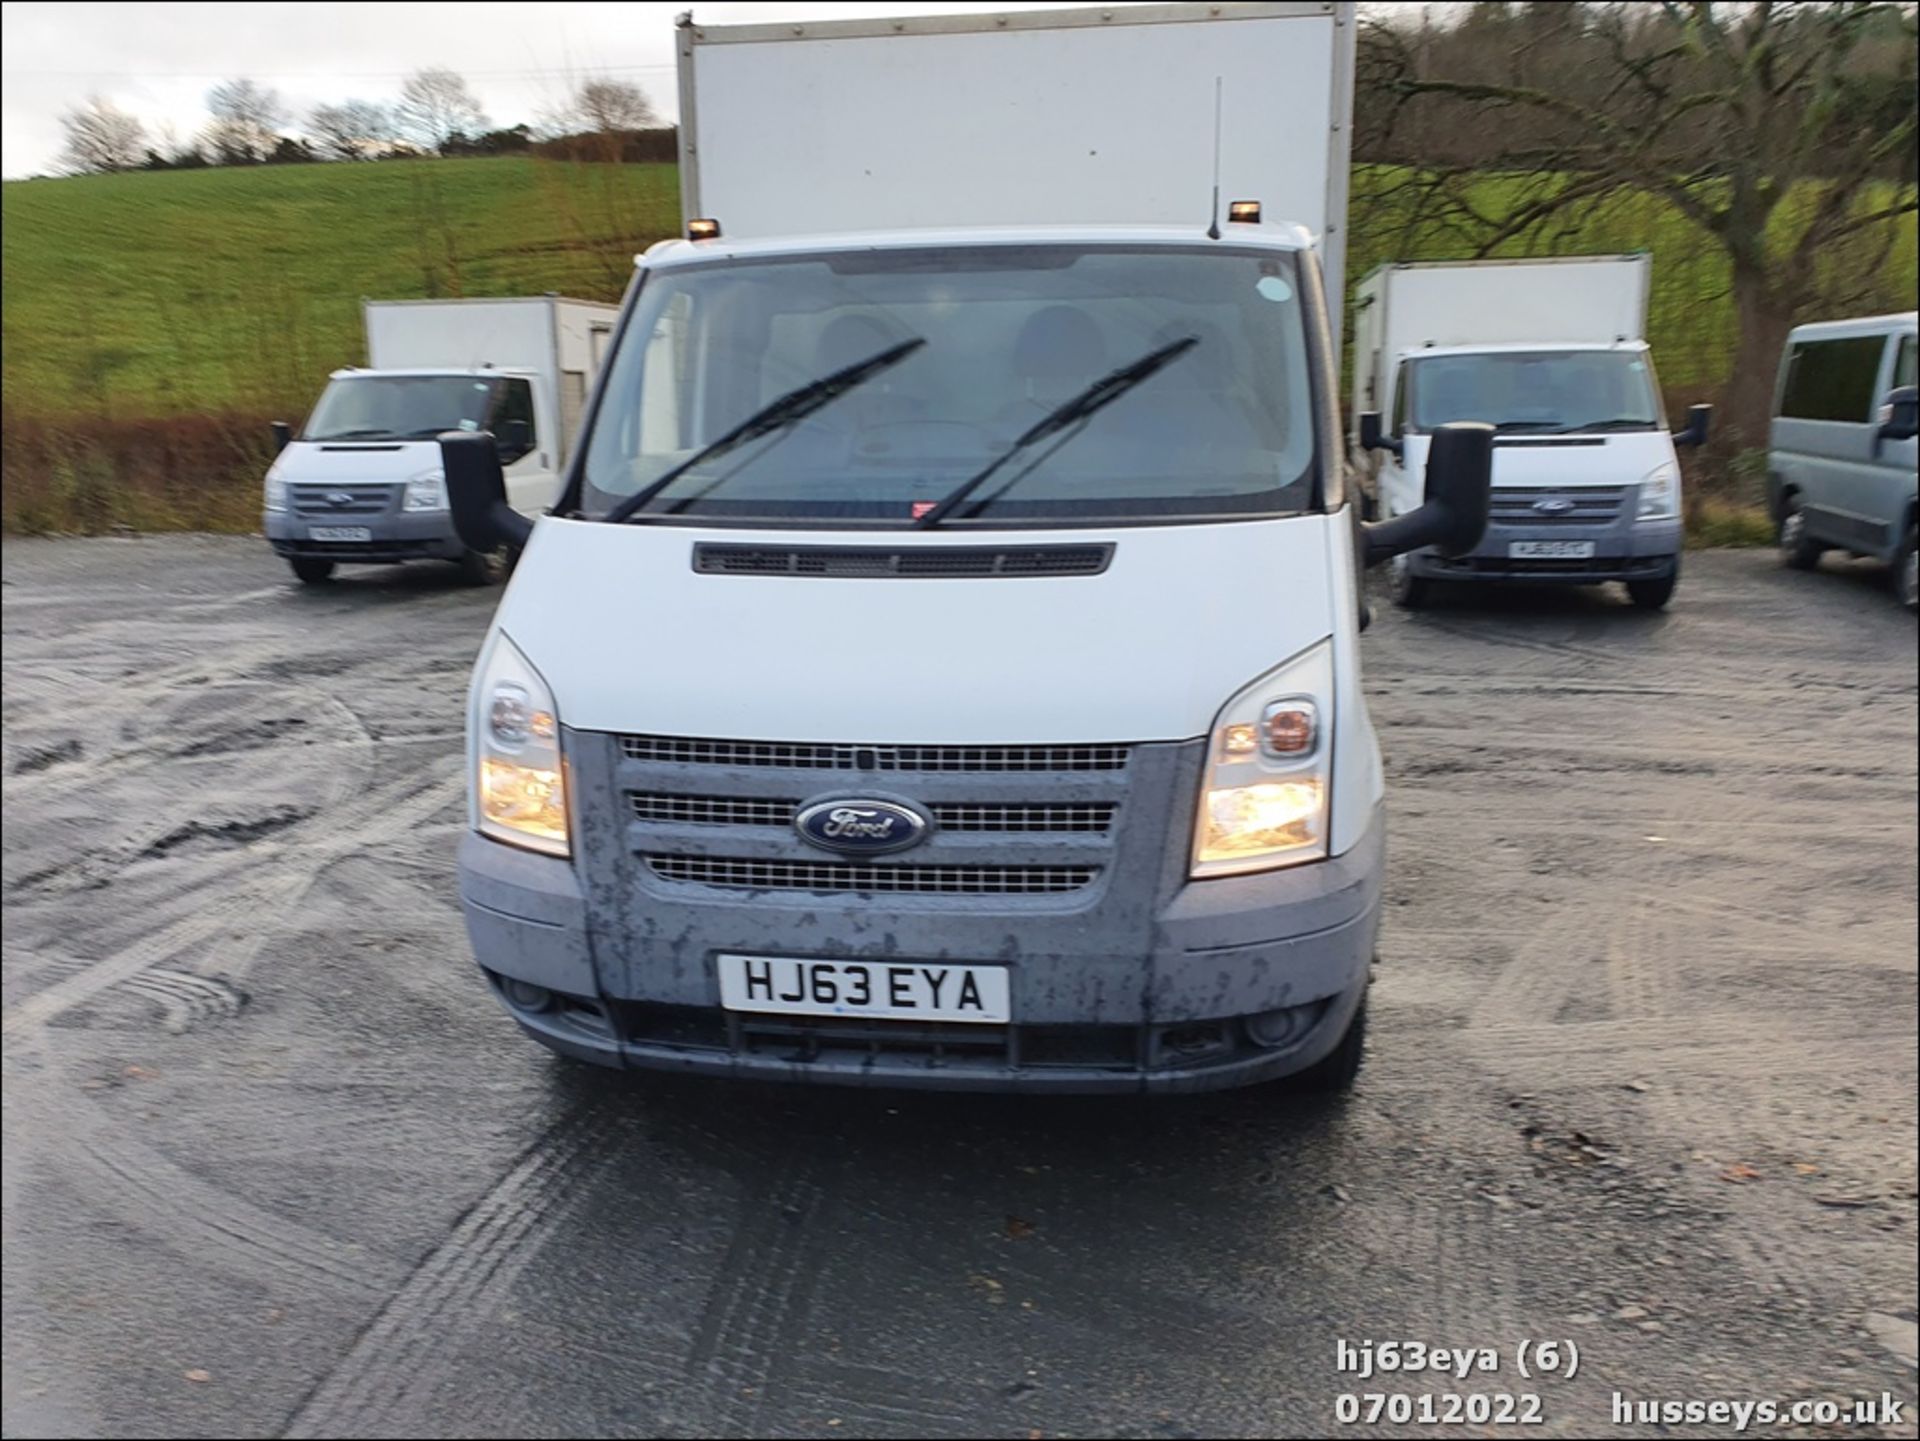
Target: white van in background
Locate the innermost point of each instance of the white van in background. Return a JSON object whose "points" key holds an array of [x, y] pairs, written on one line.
{"points": [[1841, 467], [1586, 487], [361, 483]]}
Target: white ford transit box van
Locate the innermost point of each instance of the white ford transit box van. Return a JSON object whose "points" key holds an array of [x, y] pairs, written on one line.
{"points": [[361, 483], [942, 666], [1551, 353]]}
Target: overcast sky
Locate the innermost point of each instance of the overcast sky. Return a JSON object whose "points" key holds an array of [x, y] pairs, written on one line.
{"points": [[158, 60]]}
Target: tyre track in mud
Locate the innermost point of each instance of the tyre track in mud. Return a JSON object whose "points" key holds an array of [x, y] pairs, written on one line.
{"points": [[386, 1382]]}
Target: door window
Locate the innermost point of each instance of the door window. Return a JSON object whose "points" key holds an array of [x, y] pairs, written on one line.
{"points": [[1399, 401], [1903, 364], [1833, 379], [515, 402]]}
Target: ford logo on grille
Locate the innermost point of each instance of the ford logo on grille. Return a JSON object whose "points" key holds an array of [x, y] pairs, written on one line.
{"points": [[1553, 507], [860, 826], [339, 497]]}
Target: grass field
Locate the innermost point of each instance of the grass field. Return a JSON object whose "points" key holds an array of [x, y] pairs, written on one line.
{"points": [[209, 290], [153, 322]]}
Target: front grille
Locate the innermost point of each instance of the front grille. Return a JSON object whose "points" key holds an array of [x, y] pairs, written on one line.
{"points": [[356, 499], [1514, 505], [790, 755], [747, 811], [901, 562], [829, 877]]}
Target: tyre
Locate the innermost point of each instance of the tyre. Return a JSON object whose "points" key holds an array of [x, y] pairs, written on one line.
{"points": [[312, 570], [484, 567], [1335, 1072], [1409, 591], [1906, 570], [1654, 594], [1797, 548]]}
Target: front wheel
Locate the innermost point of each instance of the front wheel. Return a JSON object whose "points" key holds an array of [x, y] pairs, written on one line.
{"points": [[1409, 591], [484, 567], [1797, 548], [1335, 1072], [1653, 594], [311, 569], [1906, 570]]}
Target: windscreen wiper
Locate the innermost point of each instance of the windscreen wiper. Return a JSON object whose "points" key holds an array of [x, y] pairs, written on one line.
{"points": [[1084, 406], [1622, 422], [1512, 425], [376, 432], [795, 405]]}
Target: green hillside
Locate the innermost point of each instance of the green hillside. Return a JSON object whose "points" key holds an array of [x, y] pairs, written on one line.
{"points": [[189, 291], [154, 322]]}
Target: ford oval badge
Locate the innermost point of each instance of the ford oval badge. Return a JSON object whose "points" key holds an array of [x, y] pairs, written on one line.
{"points": [[1553, 506], [860, 826]]}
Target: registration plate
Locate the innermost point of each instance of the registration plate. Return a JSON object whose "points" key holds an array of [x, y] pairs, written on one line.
{"points": [[1550, 550], [339, 532], [879, 990]]}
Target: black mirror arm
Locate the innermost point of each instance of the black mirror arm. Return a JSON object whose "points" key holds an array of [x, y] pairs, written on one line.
{"points": [[1387, 538]]}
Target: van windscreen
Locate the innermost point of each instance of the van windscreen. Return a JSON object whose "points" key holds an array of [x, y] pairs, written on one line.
{"points": [[1537, 391], [1008, 335]]}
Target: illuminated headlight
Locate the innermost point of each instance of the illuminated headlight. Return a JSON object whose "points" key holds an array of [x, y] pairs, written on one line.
{"points": [[426, 492], [276, 494], [520, 777], [1660, 494], [1264, 800]]}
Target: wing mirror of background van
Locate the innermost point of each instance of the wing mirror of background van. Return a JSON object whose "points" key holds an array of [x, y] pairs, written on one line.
{"points": [[1372, 438], [477, 493], [1699, 417], [1899, 415], [516, 439], [1454, 517], [282, 436]]}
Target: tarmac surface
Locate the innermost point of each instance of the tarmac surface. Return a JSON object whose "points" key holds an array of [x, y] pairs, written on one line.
{"points": [[1642, 1073]]}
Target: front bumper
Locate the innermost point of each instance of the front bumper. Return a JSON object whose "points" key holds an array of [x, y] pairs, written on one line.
{"points": [[404, 535], [1623, 549], [1236, 980]]}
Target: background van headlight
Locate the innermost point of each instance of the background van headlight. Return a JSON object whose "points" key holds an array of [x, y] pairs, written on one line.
{"points": [[1263, 799], [1660, 494], [276, 493], [426, 492], [519, 776]]}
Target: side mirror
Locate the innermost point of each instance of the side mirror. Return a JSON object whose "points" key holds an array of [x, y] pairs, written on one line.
{"points": [[1899, 415], [516, 439], [282, 436], [1373, 438], [1454, 517], [477, 493], [1699, 417]]}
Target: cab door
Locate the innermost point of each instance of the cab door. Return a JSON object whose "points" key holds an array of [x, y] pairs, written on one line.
{"points": [[1400, 480], [533, 477]]}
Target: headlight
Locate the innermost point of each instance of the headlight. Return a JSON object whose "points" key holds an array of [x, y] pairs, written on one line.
{"points": [[1660, 494], [426, 492], [276, 495], [1263, 801], [520, 777]]}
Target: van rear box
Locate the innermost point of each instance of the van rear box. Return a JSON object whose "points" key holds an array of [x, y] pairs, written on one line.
{"points": [[1062, 117]]}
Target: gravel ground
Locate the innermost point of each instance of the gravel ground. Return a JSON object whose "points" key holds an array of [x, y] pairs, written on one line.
{"points": [[1643, 1073]]}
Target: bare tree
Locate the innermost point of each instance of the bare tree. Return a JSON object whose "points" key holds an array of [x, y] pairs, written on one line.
{"points": [[247, 120], [436, 105], [1784, 131], [606, 106], [353, 130], [100, 137]]}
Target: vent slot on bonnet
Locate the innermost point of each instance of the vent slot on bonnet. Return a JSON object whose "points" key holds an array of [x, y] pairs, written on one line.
{"points": [[881, 562]]}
